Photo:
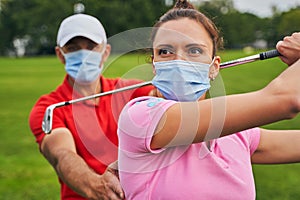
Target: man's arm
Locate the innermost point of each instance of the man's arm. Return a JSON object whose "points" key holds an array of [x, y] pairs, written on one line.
{"points": [[59, 149]]}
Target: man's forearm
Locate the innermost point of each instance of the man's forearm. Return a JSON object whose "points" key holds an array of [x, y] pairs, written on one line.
{"points": [[74, 172], [59, 149]]}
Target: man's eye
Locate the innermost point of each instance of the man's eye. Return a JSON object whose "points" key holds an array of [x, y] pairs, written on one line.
{"points": [[72, 48], [164, 51], [92, 46]]}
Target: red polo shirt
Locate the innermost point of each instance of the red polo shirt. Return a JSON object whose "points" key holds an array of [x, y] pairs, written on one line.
{"points": [[94, 127]]}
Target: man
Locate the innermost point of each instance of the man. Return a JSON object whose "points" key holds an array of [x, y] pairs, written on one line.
{"points": [[83, 141]]}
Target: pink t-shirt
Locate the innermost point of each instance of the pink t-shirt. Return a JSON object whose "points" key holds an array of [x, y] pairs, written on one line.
{"points": [[185, 172]]}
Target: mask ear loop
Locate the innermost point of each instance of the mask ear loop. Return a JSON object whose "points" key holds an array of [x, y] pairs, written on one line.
{"points": [[61, 51], [63, 54], [212, 72]]}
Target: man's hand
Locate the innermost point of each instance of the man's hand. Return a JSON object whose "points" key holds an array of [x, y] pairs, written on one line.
{"points": [[289, 48], [107, 187], [59, 149]]}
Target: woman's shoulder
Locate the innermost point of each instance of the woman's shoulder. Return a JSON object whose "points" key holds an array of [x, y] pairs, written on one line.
{"points": [[147, 103], [143, 112]]}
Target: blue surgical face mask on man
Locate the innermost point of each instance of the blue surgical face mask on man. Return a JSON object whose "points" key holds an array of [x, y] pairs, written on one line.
{"points": [[83, 65], [181, 80]]}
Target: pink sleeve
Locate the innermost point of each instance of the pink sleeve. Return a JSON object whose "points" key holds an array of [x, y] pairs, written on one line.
{"points": [[254, 138], [138, 122]]}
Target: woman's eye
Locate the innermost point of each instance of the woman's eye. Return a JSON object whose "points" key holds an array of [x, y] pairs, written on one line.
{"points": [[164, 52], [195, 51]]}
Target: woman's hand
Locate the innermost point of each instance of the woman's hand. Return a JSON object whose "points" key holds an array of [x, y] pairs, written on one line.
{"points": [[289, 48]]}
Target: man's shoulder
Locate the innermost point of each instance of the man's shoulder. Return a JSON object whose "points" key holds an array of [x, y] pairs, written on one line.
{"points": [[61, 93]]}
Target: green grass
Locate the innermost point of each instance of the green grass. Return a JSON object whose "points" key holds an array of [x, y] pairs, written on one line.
{"points": [[25, 174]]}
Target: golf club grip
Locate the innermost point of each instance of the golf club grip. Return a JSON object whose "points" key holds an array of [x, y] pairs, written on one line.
{"points": [[269, 54]]}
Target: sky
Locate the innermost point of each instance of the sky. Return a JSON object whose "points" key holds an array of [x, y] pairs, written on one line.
{"points": [[262, 8]]}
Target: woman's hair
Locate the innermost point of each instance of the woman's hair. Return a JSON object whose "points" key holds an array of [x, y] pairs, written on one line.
{"points": [[183, 9]]}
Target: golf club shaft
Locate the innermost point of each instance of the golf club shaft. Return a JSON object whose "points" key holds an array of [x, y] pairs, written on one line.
{"points": [[109, 92], [261, 56], [48, 116]]}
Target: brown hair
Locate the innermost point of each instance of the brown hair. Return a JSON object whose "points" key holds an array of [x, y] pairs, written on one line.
{"points": [[183, 9]]}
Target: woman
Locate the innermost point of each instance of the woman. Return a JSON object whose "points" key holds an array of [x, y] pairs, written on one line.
{"points": [[184, 146]]}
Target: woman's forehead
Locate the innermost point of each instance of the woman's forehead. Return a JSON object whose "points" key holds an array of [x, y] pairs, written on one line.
{"points": [[182, 31]]}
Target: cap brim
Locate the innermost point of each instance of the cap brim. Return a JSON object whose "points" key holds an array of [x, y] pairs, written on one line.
{"points": [[92, 37]]}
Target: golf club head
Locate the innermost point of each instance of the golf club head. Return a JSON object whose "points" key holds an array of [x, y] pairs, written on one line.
{"points": [[48, 117]]}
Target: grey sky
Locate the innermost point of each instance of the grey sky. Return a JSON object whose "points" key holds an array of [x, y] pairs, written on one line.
{"points": [[262, 8]]}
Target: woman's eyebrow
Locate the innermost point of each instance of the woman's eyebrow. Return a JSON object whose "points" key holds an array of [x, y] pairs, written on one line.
{"points": [[163, 45], [196, 44]]}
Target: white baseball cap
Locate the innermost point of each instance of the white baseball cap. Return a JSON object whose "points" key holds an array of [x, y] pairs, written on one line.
{"points": [[80, 25]]}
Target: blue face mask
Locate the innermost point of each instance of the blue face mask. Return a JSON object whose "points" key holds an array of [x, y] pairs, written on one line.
{"points": [[181, 80], [83, 65]]}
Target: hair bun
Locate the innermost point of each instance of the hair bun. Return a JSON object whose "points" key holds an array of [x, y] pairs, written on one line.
{"points": [[183, 4]]}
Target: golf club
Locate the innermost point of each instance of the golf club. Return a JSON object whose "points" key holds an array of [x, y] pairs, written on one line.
{"points": [[48, 116], [248, 59]]}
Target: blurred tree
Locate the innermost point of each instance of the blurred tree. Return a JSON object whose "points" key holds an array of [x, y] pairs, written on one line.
{"points": [[122, 15], [37, 21], [281, 24], [271, 34], [34, 20], [289, 22], [7, 28], [217, 7], [238, 29], [241, 29]]}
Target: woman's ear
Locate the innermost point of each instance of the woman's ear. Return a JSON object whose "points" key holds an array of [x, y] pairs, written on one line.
{"points": [[214, 68], [59, 55], [153, 68]]}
